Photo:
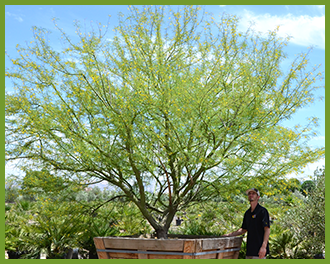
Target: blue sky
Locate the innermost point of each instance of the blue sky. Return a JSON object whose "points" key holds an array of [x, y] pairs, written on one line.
{"points": [[304, 23]]}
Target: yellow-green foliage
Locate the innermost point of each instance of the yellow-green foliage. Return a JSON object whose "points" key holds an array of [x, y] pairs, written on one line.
{"points": [[176, 101]]}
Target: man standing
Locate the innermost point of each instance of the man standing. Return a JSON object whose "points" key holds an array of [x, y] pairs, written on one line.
{"points": [[256, 223]]}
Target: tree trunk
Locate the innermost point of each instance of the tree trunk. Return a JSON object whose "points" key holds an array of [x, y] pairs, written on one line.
{"points": [[162, 228], [161, 233]]}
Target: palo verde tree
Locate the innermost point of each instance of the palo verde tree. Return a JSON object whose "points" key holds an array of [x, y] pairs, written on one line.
{"points": [[176, 101]]}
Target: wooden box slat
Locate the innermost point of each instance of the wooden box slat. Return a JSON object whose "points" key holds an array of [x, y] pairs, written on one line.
{"points": [[100, 245], [189, 247], [153, 248], [143, 244], [226, 242], [122, 256], [151, 256]]}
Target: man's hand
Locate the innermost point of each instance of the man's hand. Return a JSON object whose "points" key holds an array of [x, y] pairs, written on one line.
{"points": [[262, 252], [239, 232]]}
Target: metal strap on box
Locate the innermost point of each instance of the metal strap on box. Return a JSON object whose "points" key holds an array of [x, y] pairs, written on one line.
{"points": [[168, 253]]}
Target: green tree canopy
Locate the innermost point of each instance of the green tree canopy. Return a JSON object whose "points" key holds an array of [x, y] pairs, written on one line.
{"points": [[43, 181], [307, 187], [176, 101], [308, 221]]}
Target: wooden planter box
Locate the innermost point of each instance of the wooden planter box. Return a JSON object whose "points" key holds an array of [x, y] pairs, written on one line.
{"points": [[183, 247]]}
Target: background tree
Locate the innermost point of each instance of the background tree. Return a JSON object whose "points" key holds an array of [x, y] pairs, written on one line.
{"points": [[176, 102], [11, 189], [42, 181], [307, 221], [307, 187], [313, 218]]}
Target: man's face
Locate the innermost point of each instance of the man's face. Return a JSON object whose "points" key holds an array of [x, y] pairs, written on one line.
{"points": [[252, 196]]}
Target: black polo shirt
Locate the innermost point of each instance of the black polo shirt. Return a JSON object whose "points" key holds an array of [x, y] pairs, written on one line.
{"points": [[255, 222]]}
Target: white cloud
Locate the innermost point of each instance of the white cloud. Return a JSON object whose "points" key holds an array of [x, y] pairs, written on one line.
{"points": [[304, 30], [17, 17], [11, 168], [308, 170], [319, 138]]}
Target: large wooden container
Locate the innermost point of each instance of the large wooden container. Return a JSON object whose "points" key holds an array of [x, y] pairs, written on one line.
{"points": [[186, 247]]}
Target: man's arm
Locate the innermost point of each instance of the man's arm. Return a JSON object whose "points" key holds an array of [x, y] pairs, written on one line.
{"points": [[263, 249], [239, 232]]}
